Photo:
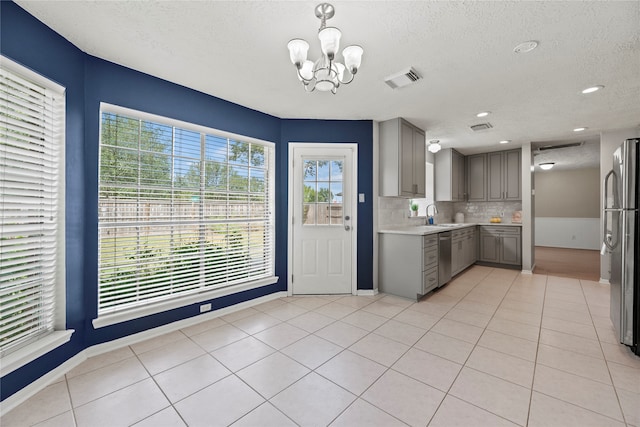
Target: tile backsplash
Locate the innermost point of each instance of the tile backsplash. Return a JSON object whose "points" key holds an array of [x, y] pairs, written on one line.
{"points": [[395, 211], [483, 211]]}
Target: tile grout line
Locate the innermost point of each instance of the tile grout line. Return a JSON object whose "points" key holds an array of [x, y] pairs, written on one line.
{"points": [[535, 361], [615, 389], [73, 412], [464, 364]]}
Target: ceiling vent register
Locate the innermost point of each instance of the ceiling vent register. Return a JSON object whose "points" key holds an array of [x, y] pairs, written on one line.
{"points": [[481, 126], [402, 79]]}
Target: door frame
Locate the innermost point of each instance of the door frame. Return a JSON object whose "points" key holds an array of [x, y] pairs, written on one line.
{"points": [[354, 208]]}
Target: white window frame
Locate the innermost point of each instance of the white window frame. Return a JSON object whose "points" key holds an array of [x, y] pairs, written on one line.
{"points": [[60, 335], [114, 317]]}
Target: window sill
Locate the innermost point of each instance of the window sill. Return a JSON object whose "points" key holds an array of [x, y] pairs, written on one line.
{"points": [[31, 352], [138, 312]]}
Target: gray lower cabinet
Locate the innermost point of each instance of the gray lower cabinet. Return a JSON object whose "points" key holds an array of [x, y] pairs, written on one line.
{"points": [[408, 264], [500, 245], [463, 249]]}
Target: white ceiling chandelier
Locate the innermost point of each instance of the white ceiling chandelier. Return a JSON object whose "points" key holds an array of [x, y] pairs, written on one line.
{"points": [[325, 74]]}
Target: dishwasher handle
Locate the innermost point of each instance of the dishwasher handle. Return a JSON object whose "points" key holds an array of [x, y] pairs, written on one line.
{"points": [[444, 257]]}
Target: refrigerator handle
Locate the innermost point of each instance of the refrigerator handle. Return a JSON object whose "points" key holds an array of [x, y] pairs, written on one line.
{"points": [[608, 239], [606, 191]]}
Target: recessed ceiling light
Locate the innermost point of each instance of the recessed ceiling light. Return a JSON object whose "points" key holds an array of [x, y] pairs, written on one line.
{"points": [[483, 114], [593, 89], [505, 141], [526, 47], [579, 129], [546, 166]]}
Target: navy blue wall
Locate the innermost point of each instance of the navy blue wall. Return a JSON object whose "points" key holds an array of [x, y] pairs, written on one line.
{"points": [[27, 41], [89, 81], [336, 131]]}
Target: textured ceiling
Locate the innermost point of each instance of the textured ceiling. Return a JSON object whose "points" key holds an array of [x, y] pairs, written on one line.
{"points": [[586, 155], [236, 50]]}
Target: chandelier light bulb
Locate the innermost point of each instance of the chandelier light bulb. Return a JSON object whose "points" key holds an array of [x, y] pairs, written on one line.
{"points": [[330, 41], [298, 49], [352, 57]]}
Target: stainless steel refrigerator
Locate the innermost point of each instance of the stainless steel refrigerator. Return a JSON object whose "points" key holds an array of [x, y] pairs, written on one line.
{"points": [[621, 240]]}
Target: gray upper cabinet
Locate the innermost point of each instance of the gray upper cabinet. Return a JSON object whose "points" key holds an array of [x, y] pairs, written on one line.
{"points": [[477, 177], [503, 175], [449, 176], [402, 159]]}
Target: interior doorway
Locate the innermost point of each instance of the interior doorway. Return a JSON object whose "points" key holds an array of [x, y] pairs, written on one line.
{"points": [[566, 208], [581, 264]]}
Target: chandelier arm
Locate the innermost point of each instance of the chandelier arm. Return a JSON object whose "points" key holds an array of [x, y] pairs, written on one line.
{"points": [[353, 76], [306, 87], [305, 81]]}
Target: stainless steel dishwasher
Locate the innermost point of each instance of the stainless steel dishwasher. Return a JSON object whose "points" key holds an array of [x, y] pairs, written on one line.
{"points": [[444, 258]]}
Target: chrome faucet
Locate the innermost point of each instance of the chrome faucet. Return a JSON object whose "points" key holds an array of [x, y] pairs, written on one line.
{"points": [[435, 209]]}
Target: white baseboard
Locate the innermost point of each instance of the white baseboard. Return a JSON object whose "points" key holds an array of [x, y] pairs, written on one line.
{"points": [[50, 377], [367, 292], [604, 281]]}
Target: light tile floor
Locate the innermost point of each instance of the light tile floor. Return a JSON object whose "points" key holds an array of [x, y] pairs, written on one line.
{"points": [[492, 348]]}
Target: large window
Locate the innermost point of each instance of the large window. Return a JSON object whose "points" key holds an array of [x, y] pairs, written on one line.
{"points": [[31, 214], [183, 210]]}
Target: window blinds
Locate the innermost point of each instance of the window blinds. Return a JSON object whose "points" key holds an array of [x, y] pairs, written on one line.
{"points": [[181, 211], [31, 153]]}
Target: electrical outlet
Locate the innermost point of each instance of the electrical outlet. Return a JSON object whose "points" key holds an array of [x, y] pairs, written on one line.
{"points": [[205, 307], [361, 198]]}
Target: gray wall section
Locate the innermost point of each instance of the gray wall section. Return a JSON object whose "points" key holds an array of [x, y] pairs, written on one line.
{"points": [[568, 193]]}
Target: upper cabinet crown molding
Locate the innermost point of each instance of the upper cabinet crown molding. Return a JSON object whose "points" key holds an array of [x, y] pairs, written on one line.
{"points": [[402, 159]]}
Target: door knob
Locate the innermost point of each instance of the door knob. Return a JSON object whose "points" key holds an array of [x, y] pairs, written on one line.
{"points": [[346, 227], [347, 218]]}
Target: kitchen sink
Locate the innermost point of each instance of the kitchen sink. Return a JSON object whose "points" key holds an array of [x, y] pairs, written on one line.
{"points": [[448, 225]]}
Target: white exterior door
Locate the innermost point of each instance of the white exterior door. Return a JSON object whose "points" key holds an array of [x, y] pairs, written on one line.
{"points": [[322, 213]]}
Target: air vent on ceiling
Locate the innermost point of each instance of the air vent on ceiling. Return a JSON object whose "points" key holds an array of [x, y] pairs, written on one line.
{"points": [[555, 147], [481, 126], [402, 79]]}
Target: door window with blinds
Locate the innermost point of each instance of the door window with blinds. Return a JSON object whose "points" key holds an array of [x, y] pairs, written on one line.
{"points": [[31, 208], [182, 210]]}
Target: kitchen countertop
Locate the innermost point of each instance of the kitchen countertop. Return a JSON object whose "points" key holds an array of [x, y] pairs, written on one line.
{"points": [[423, 230]]}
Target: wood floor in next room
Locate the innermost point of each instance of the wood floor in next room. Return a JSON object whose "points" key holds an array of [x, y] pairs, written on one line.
{"points": [[494, 348], [563, 262]]}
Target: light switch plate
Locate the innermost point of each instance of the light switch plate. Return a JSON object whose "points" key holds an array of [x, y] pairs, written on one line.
{"points": [[361, 197]]}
